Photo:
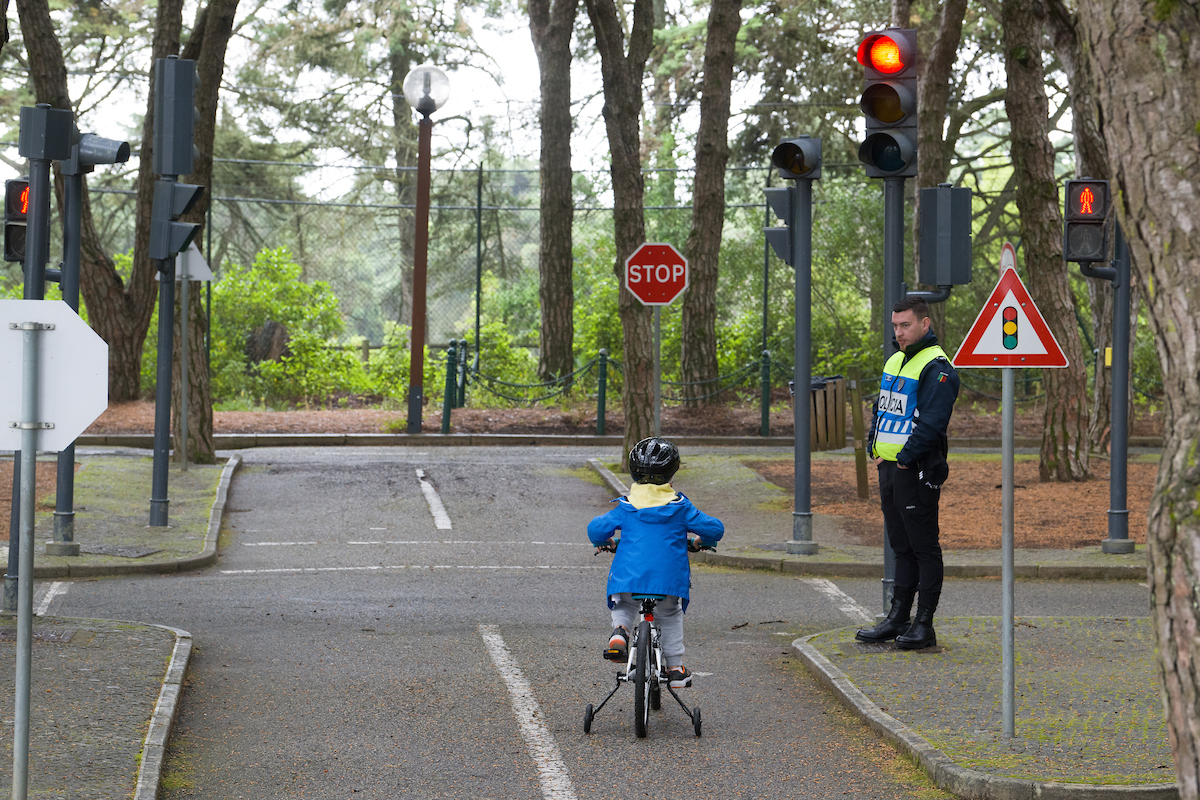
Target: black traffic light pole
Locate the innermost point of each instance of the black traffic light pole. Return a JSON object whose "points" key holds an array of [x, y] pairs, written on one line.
{"points": [[1119, 274], [893, 291]]}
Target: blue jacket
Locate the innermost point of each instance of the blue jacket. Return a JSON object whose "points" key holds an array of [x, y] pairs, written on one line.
{"points": [[653, 557]]}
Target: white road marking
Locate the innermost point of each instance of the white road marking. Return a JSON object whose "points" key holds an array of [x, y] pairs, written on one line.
{"points": [[1144, 585], [441, 520], [275, 544], [552, 771], [842, 601], [41, 604], [380, 567]]}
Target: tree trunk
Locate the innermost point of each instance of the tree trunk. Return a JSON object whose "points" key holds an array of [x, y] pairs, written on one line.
{"points": [[404, 133], [1091, 160], [119, 313], [1149, 104], [933, 152], [901, 13], [1064, 452], [621, 75], [207, 46], [551, 23], [698, 364]]}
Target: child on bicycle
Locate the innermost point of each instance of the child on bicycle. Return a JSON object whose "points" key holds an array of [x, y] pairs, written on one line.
{"points": [[654, 521]]}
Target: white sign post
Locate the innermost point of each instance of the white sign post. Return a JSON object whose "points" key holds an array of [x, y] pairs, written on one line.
{"points": [[1009, 332], [59, 372]]}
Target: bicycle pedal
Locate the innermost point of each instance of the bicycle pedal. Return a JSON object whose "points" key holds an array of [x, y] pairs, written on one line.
{"points": [[612, 654]]}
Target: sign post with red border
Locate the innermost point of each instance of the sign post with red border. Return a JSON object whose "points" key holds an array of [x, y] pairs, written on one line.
{"points": [[656, 274], [1009, 332]]}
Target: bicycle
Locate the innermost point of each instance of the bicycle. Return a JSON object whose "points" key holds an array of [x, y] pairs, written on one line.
{"points": [[644, 666]]}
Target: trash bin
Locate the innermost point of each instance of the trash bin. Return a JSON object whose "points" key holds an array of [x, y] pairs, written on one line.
{"points": [[827, 412]]}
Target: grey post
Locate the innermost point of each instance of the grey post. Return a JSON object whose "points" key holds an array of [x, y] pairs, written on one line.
{"points": [[893, 290], [160, 476], [1118, 512], [801, 229], [1006, 546], [183, 359], [29, 425], [45, 136]]}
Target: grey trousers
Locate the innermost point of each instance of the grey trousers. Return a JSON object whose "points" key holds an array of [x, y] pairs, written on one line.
{"points": [[669, 616]]}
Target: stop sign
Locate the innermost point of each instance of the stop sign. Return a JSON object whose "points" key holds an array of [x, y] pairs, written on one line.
{"points": [[656, 274]]}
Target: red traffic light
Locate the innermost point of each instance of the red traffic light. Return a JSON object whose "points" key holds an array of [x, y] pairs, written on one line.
{"points": [[885, 54], [16, 199]]}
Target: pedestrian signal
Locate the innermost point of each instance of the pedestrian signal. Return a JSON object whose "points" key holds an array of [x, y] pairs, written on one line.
{"points": [[1085, 221], [1009, 328], [16, 214]]}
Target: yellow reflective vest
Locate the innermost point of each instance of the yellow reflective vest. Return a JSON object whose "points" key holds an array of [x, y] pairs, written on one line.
{"points": [[897, 411]]}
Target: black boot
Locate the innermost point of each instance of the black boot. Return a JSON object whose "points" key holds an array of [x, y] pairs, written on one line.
{"points": [[921, 634], [896, 622]]}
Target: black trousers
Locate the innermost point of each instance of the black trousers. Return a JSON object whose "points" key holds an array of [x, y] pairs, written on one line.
{"points": [[910, 510]]}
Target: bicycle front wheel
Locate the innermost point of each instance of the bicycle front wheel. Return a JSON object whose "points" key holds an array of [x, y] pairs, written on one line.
{"points": [[641, 684]]}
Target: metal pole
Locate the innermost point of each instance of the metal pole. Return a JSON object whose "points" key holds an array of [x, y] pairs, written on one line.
{"points": [[24, 655], [208, 290], [37, 251], [893, 290], [1118, 512], [162, 404], [416, 367], [64, 543], [764, 428], [658, 370], [183, 359], [601, 388], [766, 266], [1006, 545], [451, 389], [801, 228], [478, 254]]}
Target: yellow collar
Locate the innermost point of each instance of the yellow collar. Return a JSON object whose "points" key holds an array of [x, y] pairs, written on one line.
{"points": [[649, 495]]}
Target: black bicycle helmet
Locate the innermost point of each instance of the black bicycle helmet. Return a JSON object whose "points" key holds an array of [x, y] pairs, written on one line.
{"points": [[653, 460]]}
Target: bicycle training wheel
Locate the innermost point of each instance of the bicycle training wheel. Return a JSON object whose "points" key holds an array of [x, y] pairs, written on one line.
{"points": [[696, 719], [588, 715], [641, 684]]}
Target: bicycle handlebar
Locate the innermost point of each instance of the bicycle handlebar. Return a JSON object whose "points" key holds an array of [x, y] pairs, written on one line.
{"points": [[694, 546]]}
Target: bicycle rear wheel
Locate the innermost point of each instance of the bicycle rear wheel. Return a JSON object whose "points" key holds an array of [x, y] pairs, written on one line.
{"points": [[641, 684]]}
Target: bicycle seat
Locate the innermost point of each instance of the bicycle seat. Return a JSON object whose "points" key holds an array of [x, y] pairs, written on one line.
{"points": [[649, 597]]}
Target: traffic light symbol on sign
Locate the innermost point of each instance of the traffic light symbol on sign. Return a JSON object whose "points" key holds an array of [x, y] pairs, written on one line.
{"points": [[16, 213], [1085, 221], [889, 101], [1009, 318]]}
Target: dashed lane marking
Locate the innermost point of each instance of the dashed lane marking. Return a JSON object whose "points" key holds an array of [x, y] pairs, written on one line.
{"points": [[552, 771], [842, 601], [383, 567], [44, 597], [441, 520]]}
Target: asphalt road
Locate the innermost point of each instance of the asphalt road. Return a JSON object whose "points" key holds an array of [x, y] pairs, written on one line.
{"points": [[348, 647]]}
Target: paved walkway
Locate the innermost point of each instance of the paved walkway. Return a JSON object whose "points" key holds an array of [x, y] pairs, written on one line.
{"points": [[1091, 726]]}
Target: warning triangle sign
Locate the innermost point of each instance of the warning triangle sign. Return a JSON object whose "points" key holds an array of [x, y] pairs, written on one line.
{"points": [[1010, 331]]}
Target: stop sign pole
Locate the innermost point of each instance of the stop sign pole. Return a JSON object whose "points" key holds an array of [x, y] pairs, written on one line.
{"points": [[656, 274]]}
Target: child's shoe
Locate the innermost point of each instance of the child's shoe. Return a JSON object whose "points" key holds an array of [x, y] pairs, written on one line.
{"points": [[618, 646], [680, 677]]}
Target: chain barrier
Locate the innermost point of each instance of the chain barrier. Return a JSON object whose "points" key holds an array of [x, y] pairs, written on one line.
{"points": [[564, 382], [733, 378]]}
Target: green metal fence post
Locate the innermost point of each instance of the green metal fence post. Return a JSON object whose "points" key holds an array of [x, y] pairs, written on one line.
{"points": [[765, 427], [602, 386], [448, 397], [461, 395]]}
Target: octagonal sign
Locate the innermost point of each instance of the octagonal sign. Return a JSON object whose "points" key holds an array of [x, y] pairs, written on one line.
{"points": [[656, 274], [72, 373]]}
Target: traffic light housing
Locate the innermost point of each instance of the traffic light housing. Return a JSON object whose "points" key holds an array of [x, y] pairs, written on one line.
{"points": [[1085, 221], [174, 116], [782, 202], [16, 214], [798, 159], [1008, 319], [171, 201], [889, 101]]}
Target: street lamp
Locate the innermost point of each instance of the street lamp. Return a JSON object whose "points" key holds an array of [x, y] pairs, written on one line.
{"points": [[426, 89]]}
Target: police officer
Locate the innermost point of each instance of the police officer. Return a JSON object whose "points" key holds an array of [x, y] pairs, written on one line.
{"points": [[908, 444]]}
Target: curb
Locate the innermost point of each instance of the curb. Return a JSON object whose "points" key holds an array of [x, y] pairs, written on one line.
{"points": [[874, 569], [241, 441], [206, 557], [961, 781], [155, 747]]}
